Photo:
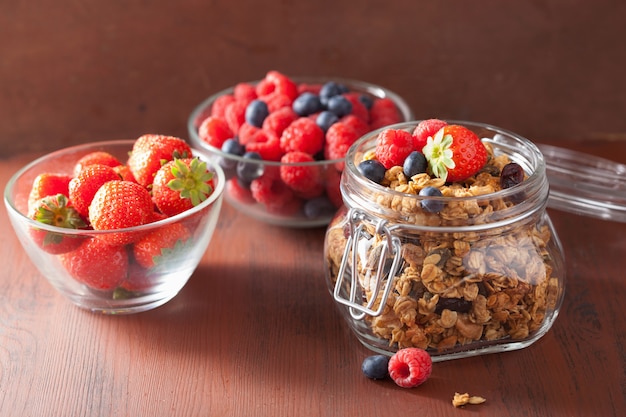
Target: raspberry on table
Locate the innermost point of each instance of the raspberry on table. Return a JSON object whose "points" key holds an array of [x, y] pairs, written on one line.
{"points": [[265, 144], [276, 101], [271, 191], [302, 135], [393, 146], [410, 367]]}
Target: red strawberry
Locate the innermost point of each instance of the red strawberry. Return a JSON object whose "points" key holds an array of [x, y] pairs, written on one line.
{"points": [[455, 153], [55, 211], [181, 184], [424, 130], [158, 245], [48, 184], [84, 186], [393, 146], [96, 157], [97, 264], [150, 152], [118, 205]]}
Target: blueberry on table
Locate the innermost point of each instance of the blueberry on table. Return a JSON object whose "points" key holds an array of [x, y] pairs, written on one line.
{"points": [[414, 164], [256, 112], [306, 103], [375, 366], [331, 89], [431, 206], [372, 170], [233, 147]]}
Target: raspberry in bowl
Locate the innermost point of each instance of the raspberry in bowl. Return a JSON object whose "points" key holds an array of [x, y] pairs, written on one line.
{"points": [[111, 225], [444, 243], [281, 141]]}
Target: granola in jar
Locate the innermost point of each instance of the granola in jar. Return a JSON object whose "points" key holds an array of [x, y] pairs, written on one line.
{"points": [[471, 266]]}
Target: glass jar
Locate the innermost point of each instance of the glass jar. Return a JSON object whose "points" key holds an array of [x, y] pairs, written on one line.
{"points": [[483, 274]]}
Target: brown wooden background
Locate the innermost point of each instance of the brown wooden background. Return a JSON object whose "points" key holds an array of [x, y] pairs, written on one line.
{"points": [[77, 71]]}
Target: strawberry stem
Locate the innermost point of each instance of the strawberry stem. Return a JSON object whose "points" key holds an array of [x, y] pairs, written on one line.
{"points": [[439, 155], [193, 181]]}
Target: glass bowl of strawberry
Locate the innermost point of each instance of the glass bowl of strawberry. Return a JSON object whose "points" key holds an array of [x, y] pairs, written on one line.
{"points": [[281, 141], [117, 227]]}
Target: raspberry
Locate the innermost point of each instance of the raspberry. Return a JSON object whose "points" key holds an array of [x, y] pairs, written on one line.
{"points": [[265, 144], [358, 108], [274, 81], [235, 115], [218, 109], [359, 125], [271, 192], [309, 88], [339, 138], [393, 146], [333, 184], [214, 131], [239, 192], [410, 367], [305, 180], [244, 92], [276, 101], [246, 133], [278, 121], [424, 129], [302, 135], [383, 113]]}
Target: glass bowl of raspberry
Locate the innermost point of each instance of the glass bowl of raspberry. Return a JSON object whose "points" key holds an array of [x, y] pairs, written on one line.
{"points": [[282, 141], [102, 228]]}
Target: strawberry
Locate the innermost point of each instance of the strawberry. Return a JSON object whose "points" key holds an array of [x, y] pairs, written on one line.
{"points": [[96, 157], [181, 184], [97, 264], [83, 186], [150, 152], [118, 205], [56, 211], [424, 130], [455, 153], [155, 247], [48, 184]]}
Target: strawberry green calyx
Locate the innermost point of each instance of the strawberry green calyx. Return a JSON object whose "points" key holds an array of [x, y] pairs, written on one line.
{"points": [[192, 181], [56, 211], [439, 154]]}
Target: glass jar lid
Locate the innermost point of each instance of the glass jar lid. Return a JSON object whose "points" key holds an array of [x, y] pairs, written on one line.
{"points": [[585, 184]]}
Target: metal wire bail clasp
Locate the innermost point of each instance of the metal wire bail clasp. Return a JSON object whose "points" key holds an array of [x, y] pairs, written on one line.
{"points": [[383, 280]]}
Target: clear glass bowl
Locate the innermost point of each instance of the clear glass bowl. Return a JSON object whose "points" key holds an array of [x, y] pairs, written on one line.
{"points": [[142, 289], [485, 274], [302, 210]]}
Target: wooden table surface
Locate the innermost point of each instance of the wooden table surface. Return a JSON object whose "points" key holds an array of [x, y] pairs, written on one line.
{"points": [[255, 333]]}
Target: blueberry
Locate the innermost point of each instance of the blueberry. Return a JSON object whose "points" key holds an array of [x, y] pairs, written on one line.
{"points": [[256, 112], [367, 101], [414, 164], [250, 170], [326, 119], [375, 366], [306, 104], [372, 170], [233, 147], [339, 105], [431, 206], [319, 207], [331, 89]]}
